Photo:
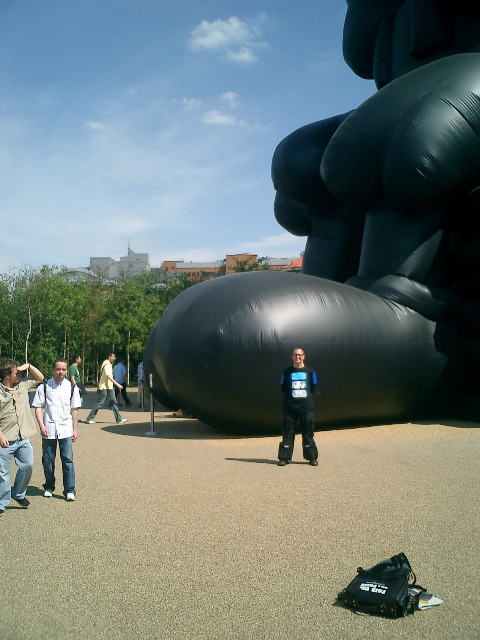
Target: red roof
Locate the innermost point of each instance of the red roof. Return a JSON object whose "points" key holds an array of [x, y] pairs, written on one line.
{"points": [[296, 264]]}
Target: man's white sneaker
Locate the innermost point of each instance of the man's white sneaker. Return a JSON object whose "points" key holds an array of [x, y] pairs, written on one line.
{"points": [[122, 421], [70, 497], [47, 494], [90, 421]]}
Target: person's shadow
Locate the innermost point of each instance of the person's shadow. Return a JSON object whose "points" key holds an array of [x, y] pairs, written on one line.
{"points": [[33, 492], [263, 461]]}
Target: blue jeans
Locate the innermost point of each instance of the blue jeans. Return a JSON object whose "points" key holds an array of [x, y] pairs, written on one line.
{"points": [[49, 448], [103, 395], [22, 452]]}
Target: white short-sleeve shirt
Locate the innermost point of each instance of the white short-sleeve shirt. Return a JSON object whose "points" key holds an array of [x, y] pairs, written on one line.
{"points": [[58, 405]]}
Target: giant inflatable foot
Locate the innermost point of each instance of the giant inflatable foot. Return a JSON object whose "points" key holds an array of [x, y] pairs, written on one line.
{"points": [[219, 350]]}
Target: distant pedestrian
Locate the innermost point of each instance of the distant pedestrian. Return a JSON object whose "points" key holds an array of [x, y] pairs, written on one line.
{"points": [[105, 391], [58, 424], [120, 376], [141, 385], [74, 375]]}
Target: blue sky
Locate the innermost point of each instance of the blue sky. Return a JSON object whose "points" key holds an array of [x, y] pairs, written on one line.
{"points": [[153, 122]]}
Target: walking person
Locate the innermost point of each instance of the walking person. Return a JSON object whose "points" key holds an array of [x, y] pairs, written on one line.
{"points": [[74, 375], [120, 376], [73, 370], [106, 391], [16, 427], [141, 383], [60, 399], [298, 383]]}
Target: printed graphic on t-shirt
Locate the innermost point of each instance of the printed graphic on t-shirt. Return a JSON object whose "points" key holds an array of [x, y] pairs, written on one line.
{"points": [[299, 384]]}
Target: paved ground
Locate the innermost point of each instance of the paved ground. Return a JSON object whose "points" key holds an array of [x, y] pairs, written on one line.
{"points": [[199, 536]]}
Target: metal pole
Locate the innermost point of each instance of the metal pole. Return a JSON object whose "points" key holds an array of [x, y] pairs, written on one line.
{"points": [[152, 416]]}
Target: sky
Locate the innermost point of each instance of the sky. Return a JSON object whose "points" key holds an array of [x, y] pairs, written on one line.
{"points": [[152, 123]]}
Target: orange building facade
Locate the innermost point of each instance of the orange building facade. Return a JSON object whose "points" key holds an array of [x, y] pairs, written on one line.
{"points": [[230, 264]]}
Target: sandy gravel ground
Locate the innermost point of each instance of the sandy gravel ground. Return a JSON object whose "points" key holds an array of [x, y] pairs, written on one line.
{"points": [[195, 535]]}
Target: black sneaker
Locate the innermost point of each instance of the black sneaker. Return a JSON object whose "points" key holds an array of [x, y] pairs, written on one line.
{"points": [[282, 463], [313, 463], [23, 502]]}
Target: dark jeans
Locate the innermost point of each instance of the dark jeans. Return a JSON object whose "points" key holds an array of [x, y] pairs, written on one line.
{"points": [[49, 448], [122, 391], [307, 425]]}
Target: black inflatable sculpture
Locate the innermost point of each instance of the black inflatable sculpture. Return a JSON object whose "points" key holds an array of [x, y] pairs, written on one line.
{"points": [[387, 308]]}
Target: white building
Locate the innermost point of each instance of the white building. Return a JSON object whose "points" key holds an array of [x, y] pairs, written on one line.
{"points": [[132, 264]]}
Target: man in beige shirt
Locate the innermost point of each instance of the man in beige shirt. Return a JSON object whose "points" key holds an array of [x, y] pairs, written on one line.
{"points": [[106, 391], [16, 427]]}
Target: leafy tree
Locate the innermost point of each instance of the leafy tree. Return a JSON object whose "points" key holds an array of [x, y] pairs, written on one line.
{"points": [[260, 264], [43, 315]]}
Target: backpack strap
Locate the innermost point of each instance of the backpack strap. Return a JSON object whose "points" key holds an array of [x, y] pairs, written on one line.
{"points": [[45, 390], [101, 373]]}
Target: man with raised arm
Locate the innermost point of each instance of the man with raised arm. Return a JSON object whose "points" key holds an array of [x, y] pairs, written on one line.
{"points": [[16, 427]]}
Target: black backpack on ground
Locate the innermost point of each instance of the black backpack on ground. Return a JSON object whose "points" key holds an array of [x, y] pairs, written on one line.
{"points": [[384, 589]]}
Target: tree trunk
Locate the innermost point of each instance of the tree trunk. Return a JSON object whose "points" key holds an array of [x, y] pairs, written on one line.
{"points": [[28, 334]]}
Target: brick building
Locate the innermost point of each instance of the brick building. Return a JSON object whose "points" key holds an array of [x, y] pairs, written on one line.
{"points": [[133, 264], [230, 264]]}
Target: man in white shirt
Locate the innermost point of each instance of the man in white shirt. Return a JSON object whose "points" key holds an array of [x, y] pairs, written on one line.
{"points": [[58, 423]]}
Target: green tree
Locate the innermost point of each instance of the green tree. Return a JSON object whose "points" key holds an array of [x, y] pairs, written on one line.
{"points": [[43, 314], [260, 264]]}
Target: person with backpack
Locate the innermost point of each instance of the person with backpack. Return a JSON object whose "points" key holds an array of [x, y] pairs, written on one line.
{"points": [[60, 399]]}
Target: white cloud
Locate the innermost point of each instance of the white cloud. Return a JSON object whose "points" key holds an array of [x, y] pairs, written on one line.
{"points": [[191, 103], [220, 34], [244, 55], [216, 117], [236, 39], [96, 126], [230, 97]]}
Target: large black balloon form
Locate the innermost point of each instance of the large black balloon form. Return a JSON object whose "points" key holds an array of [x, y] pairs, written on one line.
{"points": [[387, 308]]}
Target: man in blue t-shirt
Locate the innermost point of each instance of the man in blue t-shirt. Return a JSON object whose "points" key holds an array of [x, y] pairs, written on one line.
{"points": [[298, 383], [120, 376]]}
